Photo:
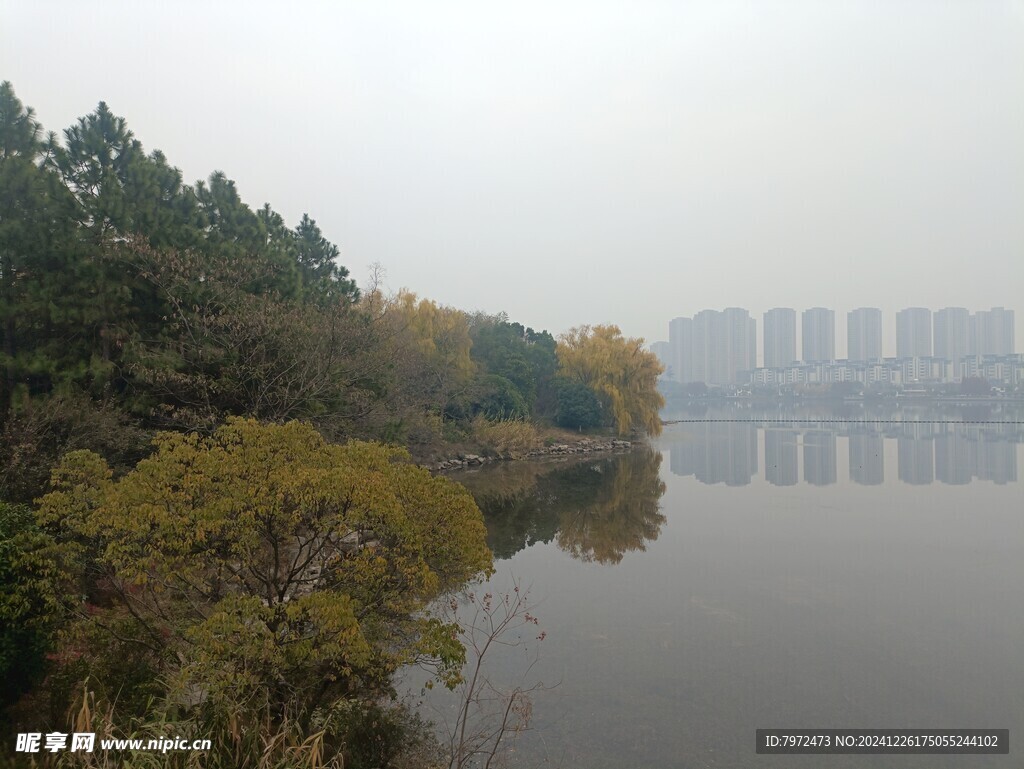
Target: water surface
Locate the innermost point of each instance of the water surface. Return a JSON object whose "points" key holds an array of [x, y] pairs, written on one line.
{"points": [[789, 571]]}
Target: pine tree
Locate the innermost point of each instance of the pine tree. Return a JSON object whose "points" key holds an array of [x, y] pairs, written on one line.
{"points": [[34, 230], [317, 259]]}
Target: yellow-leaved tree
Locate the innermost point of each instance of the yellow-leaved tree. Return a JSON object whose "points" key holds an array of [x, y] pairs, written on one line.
{"points": [[427, 350], [260, 575], [622, 374], [439, 334]]}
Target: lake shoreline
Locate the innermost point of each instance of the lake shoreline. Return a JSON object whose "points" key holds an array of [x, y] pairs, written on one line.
{"points": [[584, 446]]}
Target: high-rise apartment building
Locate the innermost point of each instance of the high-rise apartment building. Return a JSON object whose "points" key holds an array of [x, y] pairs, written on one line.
{"points": [[914, 333], [864, 334], [680, 343], [950, 326], [740, 348], [663, 352], [991, 332], [779, 328], [714, 347], [818, 341], [705, 336]]}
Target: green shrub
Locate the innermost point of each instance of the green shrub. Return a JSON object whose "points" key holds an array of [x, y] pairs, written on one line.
{"points": [[578, 407]]}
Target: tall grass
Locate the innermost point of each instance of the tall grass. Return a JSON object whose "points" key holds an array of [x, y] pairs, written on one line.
{"points": [[349, 735], [508, 438]]}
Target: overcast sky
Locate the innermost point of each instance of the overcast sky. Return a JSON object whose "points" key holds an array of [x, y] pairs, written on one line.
{"points": [[587, 162]]}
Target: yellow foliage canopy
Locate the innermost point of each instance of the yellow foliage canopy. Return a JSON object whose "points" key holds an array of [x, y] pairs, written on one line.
{"points": [[619, 370], [263, 554], [439, 333]]}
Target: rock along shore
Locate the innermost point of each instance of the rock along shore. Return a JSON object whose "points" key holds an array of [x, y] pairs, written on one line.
{"points": [[583, 446]]}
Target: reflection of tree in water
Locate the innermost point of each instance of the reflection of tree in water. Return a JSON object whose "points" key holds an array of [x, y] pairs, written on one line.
{"points": [[516, 512], [598, 510], [623, 516]]}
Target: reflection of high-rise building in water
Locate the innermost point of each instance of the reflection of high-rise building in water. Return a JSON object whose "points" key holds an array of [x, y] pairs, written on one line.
{"points": [[915, 454], [955, 457], [997, 461], [780, 463], [820, 457], [686, 452], [926, 451], [716, 452], [866, 459], [963, 453]]}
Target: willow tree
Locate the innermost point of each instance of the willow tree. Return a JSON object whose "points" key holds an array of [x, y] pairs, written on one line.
{"points": [[427, 347], [619, 370], [261, 572], [439, 333]]}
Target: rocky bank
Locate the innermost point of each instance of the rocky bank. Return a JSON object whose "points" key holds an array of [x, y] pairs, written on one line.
{"points": [[583, 446]]}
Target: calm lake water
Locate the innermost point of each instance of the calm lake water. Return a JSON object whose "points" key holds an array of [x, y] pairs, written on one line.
{"points": [[768, 574]]}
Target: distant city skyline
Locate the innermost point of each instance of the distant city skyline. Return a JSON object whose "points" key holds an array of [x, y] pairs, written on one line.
{"points": [[888, 318], [951, 332]]}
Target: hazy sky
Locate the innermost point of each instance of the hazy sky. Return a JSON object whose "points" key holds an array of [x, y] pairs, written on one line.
{"points": [[587, 162]]}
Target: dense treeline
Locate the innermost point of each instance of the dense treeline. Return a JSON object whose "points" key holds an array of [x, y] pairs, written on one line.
{"points": [[133, 302], [185, 385]]}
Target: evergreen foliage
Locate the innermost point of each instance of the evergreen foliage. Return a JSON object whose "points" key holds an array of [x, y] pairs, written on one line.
{"points": [[578, 406], [110, 266]]}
